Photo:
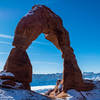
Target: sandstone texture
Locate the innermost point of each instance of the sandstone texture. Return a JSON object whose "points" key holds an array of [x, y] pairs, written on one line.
{"points": [[40, 19], [19, 64]]}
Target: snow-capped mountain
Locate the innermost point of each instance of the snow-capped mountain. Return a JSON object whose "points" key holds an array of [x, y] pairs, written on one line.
{"points": [[50, 79], [91, 75], [45, 79]]}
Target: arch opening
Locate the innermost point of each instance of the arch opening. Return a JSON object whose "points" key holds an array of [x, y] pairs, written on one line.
{"points": [[44, 56], [46, 62]]}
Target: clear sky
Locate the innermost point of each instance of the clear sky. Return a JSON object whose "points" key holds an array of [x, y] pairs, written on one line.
{"points": [[80, 17]]}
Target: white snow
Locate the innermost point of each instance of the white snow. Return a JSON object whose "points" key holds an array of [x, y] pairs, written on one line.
{"points": [[35, 8], [16, 86], [94, 78], [12, 94], [74, 94], [4, 73], [97, 78], [85, 95], [31, 12], [15, 94], [42, 87]]}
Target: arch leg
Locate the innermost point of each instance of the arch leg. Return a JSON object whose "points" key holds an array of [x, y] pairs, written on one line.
{"points": [[72, 76], [19, 65]]}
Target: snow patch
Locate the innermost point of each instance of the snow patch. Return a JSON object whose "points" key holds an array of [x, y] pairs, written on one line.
{"points": [[4, 73], [18, 85], [15, 87], [42, 87], [31, 12], [86, 95], [11, 94], [74, 94]]}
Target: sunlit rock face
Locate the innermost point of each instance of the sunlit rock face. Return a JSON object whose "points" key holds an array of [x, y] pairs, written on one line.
{"points": [[40, 19]]}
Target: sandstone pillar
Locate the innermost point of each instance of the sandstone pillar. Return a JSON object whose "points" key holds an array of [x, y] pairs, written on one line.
{"points": [[19, 64], [72, 76]]}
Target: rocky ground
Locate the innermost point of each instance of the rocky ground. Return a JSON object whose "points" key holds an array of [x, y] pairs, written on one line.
{"points": [[13, 94], [20, 94]]}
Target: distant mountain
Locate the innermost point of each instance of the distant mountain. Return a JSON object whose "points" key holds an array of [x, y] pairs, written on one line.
{"points": [[91, 75], [50, 79], [45, 79]]}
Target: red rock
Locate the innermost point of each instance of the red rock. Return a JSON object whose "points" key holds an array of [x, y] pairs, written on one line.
{"points": [[41, 19], [19, 64], [7, 77], [9, 82]]}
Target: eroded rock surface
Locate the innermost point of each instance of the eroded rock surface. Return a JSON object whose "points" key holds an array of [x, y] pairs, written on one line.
{"points": [[41, 19], [19, 65]]}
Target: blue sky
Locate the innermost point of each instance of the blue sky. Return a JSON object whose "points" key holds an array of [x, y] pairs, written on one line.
{"points": [[80, 17]]}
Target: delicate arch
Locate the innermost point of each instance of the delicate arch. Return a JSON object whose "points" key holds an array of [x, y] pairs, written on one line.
{"points": [[41, 19]]}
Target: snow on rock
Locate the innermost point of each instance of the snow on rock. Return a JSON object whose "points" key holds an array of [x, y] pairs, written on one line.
{"points": [[74, 94], [93, 94], [18, 94], [91, 76], [4, 73], [94, 78], [31, 12], [17, 84], [97, 78], [42, 89], [85, 95], [12, 94]]}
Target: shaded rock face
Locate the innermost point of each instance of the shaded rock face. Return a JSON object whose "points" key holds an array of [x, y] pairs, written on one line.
{"points": [[19, 64], [41, 19]]}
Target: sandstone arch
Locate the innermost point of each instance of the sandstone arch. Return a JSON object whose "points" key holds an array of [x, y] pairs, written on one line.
{"points": [[41, 19]]}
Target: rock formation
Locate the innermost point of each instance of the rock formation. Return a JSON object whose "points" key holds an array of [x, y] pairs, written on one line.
{"points": [[41, 19], [19, 65]]}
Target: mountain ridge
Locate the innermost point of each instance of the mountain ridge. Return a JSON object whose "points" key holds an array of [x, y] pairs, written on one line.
{"points": [[50, 79]]}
